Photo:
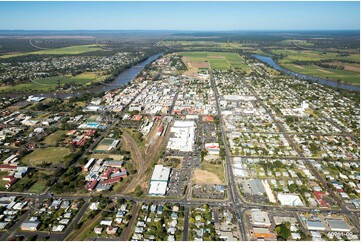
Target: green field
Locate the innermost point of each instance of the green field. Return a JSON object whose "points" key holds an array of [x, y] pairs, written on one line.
{"points": [[343, 75], [347, 75], [310, 55], [71, 50], [53, 155], [52, 83], [104, 145], [218, 60], [54, 138], [38, 187]]}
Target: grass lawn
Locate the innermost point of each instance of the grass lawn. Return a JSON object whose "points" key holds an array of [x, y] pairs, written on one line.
{"points": [[2, 182], [218, 60], [215, 169], [92, 118], [51, 154], [54, 138], [38, 187], [71, 50]]}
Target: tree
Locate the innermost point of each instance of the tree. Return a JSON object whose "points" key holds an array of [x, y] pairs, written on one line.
{"points": [[283, 231]]}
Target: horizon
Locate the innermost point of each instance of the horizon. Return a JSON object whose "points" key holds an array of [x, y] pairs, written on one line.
{"points": [[180, 16], [183, 30]]}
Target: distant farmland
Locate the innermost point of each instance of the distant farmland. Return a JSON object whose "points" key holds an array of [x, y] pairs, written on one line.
{"points": [[216, 60], [71, 50]]}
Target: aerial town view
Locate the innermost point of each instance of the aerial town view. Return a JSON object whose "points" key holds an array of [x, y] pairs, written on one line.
{"points": [[180, 121]]}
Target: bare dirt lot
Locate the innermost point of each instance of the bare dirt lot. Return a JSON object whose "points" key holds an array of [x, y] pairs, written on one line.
{"points": [[348, 66], [199, 64], [205, 177]]}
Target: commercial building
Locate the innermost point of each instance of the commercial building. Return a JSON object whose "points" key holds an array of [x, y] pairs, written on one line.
{"points": [[289, 199], [315, 225], [182, 136], [212, 148], [338, 225], [256, 187], [260, 218], [159, 181]]}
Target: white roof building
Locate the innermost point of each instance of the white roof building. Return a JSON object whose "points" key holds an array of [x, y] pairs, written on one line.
{"points": [[158, 188], [182, 136], [260, 218], [159, 181], [289, 199], [161, 173]]}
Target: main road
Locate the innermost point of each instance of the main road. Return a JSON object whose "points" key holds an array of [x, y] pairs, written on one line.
{"points": [[232, 186]]}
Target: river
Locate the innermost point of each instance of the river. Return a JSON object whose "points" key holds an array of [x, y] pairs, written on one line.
{"points": [[123, 78], [330, 83]]}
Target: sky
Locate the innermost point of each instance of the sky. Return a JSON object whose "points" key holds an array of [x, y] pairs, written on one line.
{"points": [[180, 15]]}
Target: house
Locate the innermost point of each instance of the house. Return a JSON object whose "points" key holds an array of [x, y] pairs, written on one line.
{"points": [[111, 230], [98, 230], [106, 222], [30, 225], [138, 230], [94, 206], [174, 216], [58, 228]]}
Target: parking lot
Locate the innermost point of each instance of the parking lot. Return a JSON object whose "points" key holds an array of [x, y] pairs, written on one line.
{"points": [[177, 182]]}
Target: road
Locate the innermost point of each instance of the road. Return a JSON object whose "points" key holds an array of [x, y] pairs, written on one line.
{"points": [[15, 226], [235, 200], [186, 224], [129, 229], [232, 186], [75, 221]]}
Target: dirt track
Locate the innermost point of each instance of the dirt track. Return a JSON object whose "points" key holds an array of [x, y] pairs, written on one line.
{"points": [[143, 160]]}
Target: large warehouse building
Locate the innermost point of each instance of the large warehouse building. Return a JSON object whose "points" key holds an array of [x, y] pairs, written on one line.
{"points": [[159, 181], [182, 136]]}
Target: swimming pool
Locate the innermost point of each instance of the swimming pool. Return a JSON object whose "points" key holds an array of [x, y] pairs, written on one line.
{"points": [[92, 125]]}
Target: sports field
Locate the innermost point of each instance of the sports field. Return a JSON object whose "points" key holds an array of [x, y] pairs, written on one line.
{"points": [[52, 155], [216, 60], [104, 145], [71, 50], [54, 138]]}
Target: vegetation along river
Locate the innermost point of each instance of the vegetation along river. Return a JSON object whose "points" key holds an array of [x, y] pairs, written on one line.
{"points": [[269, 61], [123, 78]]}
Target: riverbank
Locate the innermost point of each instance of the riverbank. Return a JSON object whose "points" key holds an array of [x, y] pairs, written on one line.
{"points": [[335, 84], [123, 78]]}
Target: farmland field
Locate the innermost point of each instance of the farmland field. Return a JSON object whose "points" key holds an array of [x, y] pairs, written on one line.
{"points": [[290, 59], [352, 77], [216, 60], [53, 155], [71, 50]]}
